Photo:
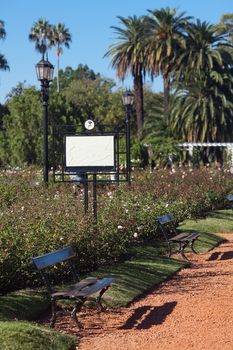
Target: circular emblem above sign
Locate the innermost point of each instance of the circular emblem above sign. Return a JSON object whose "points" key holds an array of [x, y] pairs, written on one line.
{"points": [[89, 124]]}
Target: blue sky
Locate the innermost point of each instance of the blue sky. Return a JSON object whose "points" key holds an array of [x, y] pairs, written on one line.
{"points": [[89, 22]]}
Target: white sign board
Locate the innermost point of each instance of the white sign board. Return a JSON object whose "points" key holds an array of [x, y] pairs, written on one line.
{"points": [[92, 153]]}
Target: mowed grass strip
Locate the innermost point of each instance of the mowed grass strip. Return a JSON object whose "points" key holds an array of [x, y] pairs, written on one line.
{"points": [[27, 336], [137, 276], [215, 222]]}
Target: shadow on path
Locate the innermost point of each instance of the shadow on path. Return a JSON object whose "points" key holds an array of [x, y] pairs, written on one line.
{"points": [[146, 316], [221, 256]]}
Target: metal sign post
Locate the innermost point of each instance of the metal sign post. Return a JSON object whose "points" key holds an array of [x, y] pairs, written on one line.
{"points": [[91, 153]]}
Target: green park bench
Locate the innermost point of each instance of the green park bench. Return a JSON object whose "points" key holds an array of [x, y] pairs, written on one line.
{"points": [[79, 292], [183, 239]]}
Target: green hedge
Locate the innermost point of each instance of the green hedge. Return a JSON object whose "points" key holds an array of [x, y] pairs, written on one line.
{"points": [[36, 219]]}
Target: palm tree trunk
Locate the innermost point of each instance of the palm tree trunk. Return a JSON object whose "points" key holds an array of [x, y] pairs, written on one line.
{"points": [[138, 90], [166, 92], [58, 63]]}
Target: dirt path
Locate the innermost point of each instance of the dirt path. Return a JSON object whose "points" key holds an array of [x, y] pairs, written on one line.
{"points": [[193, 310]]}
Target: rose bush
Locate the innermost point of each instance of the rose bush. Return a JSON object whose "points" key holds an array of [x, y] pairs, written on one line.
{"points": [[36, 219]]}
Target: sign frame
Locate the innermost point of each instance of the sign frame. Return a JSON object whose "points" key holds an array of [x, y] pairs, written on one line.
{"points": [[92, 168]]}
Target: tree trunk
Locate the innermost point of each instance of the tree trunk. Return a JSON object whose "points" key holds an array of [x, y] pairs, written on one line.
{"points": [[138, 90], [166, 92], [58, 52]]}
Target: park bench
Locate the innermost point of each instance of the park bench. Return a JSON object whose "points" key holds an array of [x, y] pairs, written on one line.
{"points": [[229, 199], [183, 239], [79, 292]]}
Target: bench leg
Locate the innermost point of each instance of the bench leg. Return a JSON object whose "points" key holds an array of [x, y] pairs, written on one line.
{"points": [[74, 312], [182, 248], [98, 299], [170, 249], [191, 246], [54, 311]]}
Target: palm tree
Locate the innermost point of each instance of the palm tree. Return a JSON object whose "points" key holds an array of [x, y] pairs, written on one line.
{"points": [[199, 56], [128, 56], [226, 26], [41, 35], [204, 112], [167, 34], [3, 62], [2, 30], [60, 36]]}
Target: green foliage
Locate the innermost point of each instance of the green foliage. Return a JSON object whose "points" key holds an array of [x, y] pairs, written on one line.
{"points": [[35, 219], [139, 155], [85, 95], [21, 134]]}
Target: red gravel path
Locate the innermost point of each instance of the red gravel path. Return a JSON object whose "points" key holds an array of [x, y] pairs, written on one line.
{"points": [[193, 310]]}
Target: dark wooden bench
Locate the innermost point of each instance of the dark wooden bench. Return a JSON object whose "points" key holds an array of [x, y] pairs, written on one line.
{"points": [[183, 239], [79, 292]]}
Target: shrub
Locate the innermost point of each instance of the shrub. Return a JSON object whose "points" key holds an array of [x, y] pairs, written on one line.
{"points": [[36, 219]]}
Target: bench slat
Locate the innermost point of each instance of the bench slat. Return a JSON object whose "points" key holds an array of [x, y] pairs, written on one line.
{"points": [[53, 258], [84, 290], [105, 282], [184, 236]]}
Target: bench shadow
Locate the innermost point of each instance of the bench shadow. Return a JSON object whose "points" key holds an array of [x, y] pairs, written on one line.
{"points": [[214, 256], [227, 255], [146, 316], [221, 256]]}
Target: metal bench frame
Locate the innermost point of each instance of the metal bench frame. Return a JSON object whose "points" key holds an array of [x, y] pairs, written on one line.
{"points": [[184, 239], [79, 292]]}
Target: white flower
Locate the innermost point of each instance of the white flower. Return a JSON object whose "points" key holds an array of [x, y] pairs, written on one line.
{"points": [[120, 227], [109, 194], [22, 208], [135, 235], [166, 205]]}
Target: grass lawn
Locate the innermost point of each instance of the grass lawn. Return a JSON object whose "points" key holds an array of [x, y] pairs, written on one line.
{"points": [[27, 336]]}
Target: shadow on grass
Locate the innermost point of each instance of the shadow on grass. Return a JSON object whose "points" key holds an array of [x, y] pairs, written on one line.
{"points": [[146, 316], [23, 305]]}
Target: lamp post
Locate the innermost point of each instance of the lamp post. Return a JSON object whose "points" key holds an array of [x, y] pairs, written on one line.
{"points": [[128, 101], [44, 71]]}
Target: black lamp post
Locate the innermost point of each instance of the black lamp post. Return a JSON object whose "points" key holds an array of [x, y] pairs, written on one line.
{"points": [[44, 71], [128, 101]]}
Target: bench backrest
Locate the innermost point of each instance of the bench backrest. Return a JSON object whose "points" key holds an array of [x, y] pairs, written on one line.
{"points": [[229, 197], [165, 219], [53, 258], [43, 261], [167, 225]]}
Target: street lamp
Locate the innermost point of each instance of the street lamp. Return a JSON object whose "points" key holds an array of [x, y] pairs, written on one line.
{"points": [[44, 71], [128, 101]]}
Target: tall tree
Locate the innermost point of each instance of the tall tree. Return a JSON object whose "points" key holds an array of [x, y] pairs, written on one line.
{"points": [[199, 56], [128, 56], [167, 33], [41, 35], [3, 62], [203, 112], [60, 36], [226, 26]]}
